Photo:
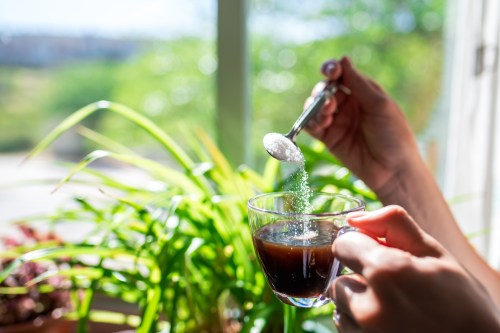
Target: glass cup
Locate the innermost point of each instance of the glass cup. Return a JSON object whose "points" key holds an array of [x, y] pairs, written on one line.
{"points": [[293, 242]]}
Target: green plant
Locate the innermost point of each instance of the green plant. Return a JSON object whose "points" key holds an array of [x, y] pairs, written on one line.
{"points": [[181, 251]]}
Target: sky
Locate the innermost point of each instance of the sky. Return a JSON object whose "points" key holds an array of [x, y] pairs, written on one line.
{"points": [[113, 18], [156, 18]]}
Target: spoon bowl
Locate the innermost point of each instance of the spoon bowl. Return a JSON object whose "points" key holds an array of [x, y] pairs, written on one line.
{"points": [[282, 146]]}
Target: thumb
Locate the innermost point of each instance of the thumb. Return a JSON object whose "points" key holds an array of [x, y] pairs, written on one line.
{"points": [[367, 92], [397, 228]]}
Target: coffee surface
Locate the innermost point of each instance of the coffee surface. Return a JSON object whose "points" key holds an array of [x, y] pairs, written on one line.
{"points": [[296, 256]]}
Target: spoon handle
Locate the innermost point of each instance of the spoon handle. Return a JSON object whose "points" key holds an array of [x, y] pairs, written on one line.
{"points": [[312, 109]]}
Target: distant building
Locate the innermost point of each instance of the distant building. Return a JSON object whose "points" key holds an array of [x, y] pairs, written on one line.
{"points": [[46, 51]]}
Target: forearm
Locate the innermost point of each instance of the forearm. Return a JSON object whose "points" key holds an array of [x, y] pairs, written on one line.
{"points": [[416, 190]]}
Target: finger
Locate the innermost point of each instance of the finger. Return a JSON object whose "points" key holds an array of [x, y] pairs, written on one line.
{"points": [[315, 131], [323, 118], [362, 253], [393, 224], [375, 85], [375, 262], [318, 87], [344, 289], [364, 90], [340, 95], [344, 323], [308, 102], [328, 108], [359, 304], [319, 123]]}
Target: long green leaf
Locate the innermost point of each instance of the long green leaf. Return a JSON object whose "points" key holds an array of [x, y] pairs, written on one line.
{"points": [[150, 127], [151, 312], [65, 125], [79, 115], [77, 272], [271, 171], [69, 251], [171, 176], [104, 141]]}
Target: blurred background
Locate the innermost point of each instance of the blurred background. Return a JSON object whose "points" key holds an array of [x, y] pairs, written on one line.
{"points": [[161, 59]]}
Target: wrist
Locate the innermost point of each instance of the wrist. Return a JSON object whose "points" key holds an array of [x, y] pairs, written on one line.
{"points": [[488, 321], [409, 177]]}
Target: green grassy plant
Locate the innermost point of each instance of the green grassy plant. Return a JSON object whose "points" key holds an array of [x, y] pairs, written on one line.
{"points": [[182, 252]]}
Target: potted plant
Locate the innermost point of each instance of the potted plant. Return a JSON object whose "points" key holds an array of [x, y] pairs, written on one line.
{"points": [[178, 247]]}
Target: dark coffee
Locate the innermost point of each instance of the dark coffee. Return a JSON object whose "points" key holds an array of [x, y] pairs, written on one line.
{"points": [[297, 256]]}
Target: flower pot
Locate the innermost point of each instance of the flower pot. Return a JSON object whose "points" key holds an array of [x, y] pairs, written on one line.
{"points": [[40, 325]]}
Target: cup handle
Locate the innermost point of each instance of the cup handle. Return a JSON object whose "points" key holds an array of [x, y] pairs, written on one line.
{"points": [[337, 265], [345, 229]]}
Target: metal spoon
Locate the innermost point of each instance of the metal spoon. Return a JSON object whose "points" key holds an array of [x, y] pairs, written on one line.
{"points": [[282, 146]]}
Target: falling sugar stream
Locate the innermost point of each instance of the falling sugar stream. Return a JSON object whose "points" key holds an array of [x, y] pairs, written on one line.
{"points": [[301, 195]]}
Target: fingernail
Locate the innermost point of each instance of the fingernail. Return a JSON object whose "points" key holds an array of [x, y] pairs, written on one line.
{"points": [[328, 67], [361, 216], [356, 215], [336, 318]]}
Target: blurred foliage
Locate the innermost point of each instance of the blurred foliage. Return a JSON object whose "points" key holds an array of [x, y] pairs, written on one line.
{"points": [[173, 84], [21, 122], [397, 43], [74, 85]]}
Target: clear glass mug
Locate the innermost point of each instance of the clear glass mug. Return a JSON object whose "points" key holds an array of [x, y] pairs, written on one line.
{"points": [[294, 247]]}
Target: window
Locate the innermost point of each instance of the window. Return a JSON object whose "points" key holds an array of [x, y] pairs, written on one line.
{"points": [[470, 102]]}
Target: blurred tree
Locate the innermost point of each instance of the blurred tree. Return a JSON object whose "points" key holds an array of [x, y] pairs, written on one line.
{"points": [[397, 43], [173, 84], [21, 119], [78, 84], [72, 86]]}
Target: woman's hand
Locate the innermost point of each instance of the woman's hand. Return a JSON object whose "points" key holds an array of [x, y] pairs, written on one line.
{"points": [[366, 130], [409, 283], [363, 127]]}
